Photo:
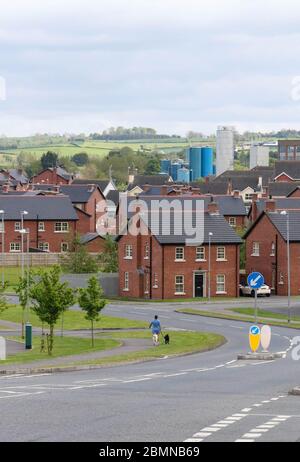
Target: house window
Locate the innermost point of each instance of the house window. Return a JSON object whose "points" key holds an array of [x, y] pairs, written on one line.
{"points": [[126, 281], [41, 226], [272, 254], [255, 249], [179, 284], [44, 246], [232, 222], [15, 247], [221, 253], [64, 246], [155, 281], [61, 227], [146, 251], [200, 253], [146, 284], [17, 226], [128, 251], [179, 253], [220, 284], [248, 196]]}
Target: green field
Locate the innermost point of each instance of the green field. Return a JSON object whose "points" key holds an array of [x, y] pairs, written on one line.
{"points": [[73, 320]]}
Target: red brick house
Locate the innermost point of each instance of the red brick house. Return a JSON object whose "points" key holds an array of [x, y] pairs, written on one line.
{"points": [[93, 242], [266, 248], [157, 266], [53, 176], [52, 222]]}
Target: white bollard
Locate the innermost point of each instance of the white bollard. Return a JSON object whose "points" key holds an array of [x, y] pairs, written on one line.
{"points": [[2, 349]]}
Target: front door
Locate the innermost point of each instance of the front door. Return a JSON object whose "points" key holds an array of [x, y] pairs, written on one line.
{"points": [[199, 284]]}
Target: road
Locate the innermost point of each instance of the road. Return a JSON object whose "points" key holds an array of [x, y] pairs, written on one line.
{"points": [[202, 397]]}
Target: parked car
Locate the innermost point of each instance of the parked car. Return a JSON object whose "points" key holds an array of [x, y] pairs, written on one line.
{"points": [[247, 290]]}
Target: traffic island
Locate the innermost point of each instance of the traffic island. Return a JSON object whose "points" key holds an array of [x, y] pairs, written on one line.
{"points": [[295, 391], [261, 356]]}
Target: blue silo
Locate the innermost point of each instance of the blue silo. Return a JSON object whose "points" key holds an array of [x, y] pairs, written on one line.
{"points": [[165, 166], [187, 155], [174, 170], [207, 156], [214, 169], [195, 163], [183, 175]]}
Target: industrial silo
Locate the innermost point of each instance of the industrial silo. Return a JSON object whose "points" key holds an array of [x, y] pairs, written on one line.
{"points": [[225, 149], [195, 163], [259, 155], [207, 157], [183, 175], [165, 166], [175, 166]]}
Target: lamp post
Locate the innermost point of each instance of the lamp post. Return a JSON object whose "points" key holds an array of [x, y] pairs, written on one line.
{"points": [[2, 245], [286, 213], [28, 326], [22, 213], [209, 262]]}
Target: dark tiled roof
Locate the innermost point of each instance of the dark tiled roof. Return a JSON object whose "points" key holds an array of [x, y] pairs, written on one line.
{"points": [[214, 187], [282, 188], [88, 237], [280, 222], [290, 167], [154, 180], [102, 184], [79, 194], [46, 208], [18, 175], [113, 196], [222, 231], [286, 203]]}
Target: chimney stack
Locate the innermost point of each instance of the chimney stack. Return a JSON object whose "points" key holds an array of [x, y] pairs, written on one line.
{"points": [[270, 205], [236, 194], [212, 207]]}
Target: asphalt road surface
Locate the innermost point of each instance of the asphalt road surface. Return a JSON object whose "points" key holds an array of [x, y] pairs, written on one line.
{"points": [[201, 397]]}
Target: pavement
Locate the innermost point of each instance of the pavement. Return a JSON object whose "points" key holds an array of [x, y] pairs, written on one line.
{"points": [[203, 397]]}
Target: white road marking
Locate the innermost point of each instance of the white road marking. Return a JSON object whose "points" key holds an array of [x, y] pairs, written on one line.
{"points": [[174, 375], [251, 435], [202, 434], [210, 429], [193, 440], [244, 441]]}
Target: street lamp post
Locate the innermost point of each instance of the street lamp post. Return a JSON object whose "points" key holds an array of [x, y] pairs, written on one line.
{"points": [[2, 245], [22, 213], [209, 262], [28, 326], [286, 213]]}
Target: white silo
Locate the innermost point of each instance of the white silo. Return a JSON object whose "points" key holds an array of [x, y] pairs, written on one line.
{"points": [[259, 155], [225, 149]]}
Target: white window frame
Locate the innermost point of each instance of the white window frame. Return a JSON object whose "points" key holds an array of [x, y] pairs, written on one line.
{"points": [[198, 252], [255, 249], [181, 251], [223, 250], [179, 286], [126, 281], [248, 196], [41, 226], [155, 281], [18, 225], [221, 283], [232, 222], [128, 252], [273, 249], [42, 245], [61, 225], [14, 244]]}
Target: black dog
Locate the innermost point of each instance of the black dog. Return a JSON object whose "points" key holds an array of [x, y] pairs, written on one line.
{"points": [[167, 339]]}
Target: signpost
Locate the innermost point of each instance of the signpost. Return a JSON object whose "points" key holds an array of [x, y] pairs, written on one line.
{"points": [[255, 280]]}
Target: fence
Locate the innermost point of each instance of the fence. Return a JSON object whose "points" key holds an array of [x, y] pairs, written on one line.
{"points": [[108, 281]]}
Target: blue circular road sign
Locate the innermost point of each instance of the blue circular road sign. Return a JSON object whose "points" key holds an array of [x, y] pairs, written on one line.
{"points": [[254, 330], [255, 280]]}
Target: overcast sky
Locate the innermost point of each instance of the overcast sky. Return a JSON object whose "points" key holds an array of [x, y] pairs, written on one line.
{"points": [[174, 65]]}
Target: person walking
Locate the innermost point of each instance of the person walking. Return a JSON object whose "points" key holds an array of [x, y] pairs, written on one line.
{"points": [[156, 330]]}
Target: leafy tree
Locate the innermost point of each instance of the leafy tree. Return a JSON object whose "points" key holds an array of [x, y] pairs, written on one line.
{"points": [[50, 299], [3, 301], [91, 300], [22, 290], [78, 260], [153, 166], [49, 159], [109, 257], [80, 159]]}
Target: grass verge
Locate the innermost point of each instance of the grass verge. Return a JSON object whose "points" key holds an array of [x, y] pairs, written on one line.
{"points": [[73, 320], [265, 314], [236, 317], [63, 346]]}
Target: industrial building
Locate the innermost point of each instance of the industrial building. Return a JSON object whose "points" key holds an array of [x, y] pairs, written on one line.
{"points": [[225, 149], [289, 149], [259, 155], [198, 164]]}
